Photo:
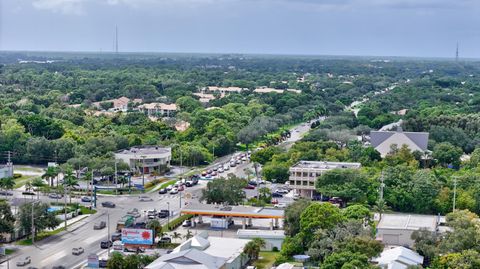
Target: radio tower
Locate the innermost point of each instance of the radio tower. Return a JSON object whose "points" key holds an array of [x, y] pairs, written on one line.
{"points": [[456, 54], [116, 39]]}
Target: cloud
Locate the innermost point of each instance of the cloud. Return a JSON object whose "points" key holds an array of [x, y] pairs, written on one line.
{"points": [[60, 6]]}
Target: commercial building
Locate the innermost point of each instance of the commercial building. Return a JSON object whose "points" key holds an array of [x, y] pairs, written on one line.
{"points": [[158, 110], [383, 141], [150, 158], [270, 90], [304, 174], [397, 229], [273, 238], [245, 213], [6, 170], [398, 258], [204, 252], [223, 90]]}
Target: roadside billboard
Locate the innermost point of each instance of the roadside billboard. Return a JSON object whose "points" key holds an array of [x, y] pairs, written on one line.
{"points": [[92, 261], [137, 236]]}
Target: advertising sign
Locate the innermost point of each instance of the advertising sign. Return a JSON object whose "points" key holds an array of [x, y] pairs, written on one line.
{"points": [[137, 236], [93, 261]]}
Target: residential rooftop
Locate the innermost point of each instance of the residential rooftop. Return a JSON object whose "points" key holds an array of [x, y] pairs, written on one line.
{"points": [[324, 165], [410, 221], [145, 150]]}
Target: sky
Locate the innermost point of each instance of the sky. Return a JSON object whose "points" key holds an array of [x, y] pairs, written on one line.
{"points": [[418, 28]]}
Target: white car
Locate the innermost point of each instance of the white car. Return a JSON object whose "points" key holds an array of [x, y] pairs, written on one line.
{"points": [[282, 191], [174, 191], [226, 167], [220, 170], [77, 251], [24, 261], [145, 199], [280, 205]]}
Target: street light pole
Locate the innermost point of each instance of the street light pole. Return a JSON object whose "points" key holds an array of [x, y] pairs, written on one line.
{"points": [[108, 232], [168, 217], [33, 222], [143, 170], [116, 178], [65, 207]]}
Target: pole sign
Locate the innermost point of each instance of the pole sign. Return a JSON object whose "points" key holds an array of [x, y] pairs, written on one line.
{"points": [[137, 236], [93, 261]]}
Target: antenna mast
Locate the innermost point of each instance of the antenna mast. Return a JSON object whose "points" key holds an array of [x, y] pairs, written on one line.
{"points": [[456, 54]]}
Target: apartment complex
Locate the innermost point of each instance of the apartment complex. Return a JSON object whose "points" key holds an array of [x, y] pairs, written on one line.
{"points": [[304, 174], [158, 110], [117, 105]]}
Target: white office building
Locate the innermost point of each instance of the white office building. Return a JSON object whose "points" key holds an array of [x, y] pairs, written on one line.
{"points": [[304, 174], [150, 158]]}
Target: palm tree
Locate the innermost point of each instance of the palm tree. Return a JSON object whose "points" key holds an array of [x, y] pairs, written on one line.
{"points": [[176, 235], [7, 184], [38, 184], [70, 182], [155, 225], [50, 174], [251, 250], [188, 235]]}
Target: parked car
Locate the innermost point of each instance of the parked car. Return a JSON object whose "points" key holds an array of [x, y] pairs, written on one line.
{"points": [[233, 164], [250, 187], [6, 193], [145, 199], [77, 251], [165, 240], [181, 188], [187, 223], [174, 191], [151, 214], [108, 204], [86, 199], [277, 195], [102, 263], [134, 213], [282, 191], [280, 205], [169, 187], [226, 167], [24, 261], [204, 173], [253, 182], [162, 191], [238, 161], [105, 244], [54, 196], [100, 225], [163, 213], [189, 183], [116, 237]]}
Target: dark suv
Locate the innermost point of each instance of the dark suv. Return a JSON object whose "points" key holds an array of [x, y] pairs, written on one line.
{"points": [[106, 244], [163, 213]]}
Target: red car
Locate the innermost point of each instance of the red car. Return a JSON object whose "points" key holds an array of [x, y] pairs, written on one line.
{"points": [[250, 187]]}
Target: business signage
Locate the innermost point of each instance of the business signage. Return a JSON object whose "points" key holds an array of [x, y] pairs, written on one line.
{"points": [[92, 261], [137, 236]]}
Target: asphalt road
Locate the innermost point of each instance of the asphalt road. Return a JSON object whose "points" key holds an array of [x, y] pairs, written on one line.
{"points": [[56, 250]]}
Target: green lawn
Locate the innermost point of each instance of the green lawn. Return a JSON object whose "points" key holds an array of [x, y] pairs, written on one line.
{"points": [[22, 180], [40, 236], [266, 260]]}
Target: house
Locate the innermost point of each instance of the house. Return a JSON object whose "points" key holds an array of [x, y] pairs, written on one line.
{"points": [[304, 174], [6, 170], [223, 90], [150, 158], [204, 252], [267, 90], [204, 98], [398, 258], [273, 238], [118, 105], [158, 110], [383, 141], [397, 229]]}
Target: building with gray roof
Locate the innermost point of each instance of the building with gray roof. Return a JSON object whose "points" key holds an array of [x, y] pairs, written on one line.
{"points": [[383, 141], [149, 158]]}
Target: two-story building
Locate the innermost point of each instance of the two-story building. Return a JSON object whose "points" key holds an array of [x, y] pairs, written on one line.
{"points": [[150, 158], [304, 174], [158, 110]]}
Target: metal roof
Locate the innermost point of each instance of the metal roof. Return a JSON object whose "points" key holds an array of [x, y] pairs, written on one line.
{"points": [[233, 211]]}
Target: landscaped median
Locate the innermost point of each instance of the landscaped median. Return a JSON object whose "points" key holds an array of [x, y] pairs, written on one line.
{"points": [[173, 224]]}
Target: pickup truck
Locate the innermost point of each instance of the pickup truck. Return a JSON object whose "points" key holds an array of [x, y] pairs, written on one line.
{"points": [[100, 225]]}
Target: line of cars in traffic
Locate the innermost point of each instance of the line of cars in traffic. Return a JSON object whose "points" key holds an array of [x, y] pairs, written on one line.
{"points": [[180, 185], [224, 167]]}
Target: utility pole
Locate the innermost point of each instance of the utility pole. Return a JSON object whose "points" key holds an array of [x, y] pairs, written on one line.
{"points": [[380, 201], [33, 227], [108, 232], [116, 178], [93, 188], [143, 170], [65, 207], [456, 54], [454, 192], [168, 217]]}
